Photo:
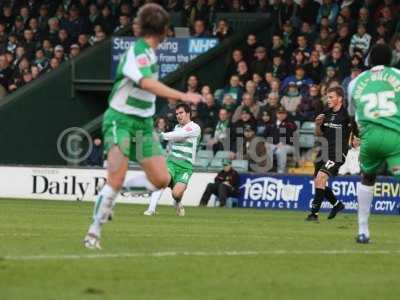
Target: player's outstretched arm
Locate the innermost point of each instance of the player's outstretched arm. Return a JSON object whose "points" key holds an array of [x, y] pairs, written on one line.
{"points": [[158, 88], [181, 133]]}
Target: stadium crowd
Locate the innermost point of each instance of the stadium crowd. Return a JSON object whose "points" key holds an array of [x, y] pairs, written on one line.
{"points": [[271, 85], [274, 86]]}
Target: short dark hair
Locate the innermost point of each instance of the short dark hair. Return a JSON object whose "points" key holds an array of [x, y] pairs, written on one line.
{"points": [[185, 106], [381, 54], [336, 89], [152, 19]]}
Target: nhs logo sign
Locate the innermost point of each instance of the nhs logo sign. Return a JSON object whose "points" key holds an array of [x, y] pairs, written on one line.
{"points": [[199, 46]]}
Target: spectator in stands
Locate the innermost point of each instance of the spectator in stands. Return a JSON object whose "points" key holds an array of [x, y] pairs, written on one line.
{"points": [[308, 11], [259, 65], [278, 68], [54, 27], [199, 29], [344, 36], [280, 139], [237, 130], [83, 41], [96, 156], [338, 62], [229, 103], [223, 30], [360, 40], [54, 64], [234, 89], [192, 84], [396, 50], [205, 90], [247, 103], [302, 45], [351, 165], [324, 38], [314, 69], [250, 48], [6, 72], [275, 86], [93, 16], [35, 72], [300, 79], [208, 113], [329, 10], [272, 104], [41, 61], [29, 43], [254, 150], [355, 71], [237, 57], [261, 86], [226, 184], [263, 122], [251, 88], [291, 100], [106, 20], [330, 75], [298, 60], [220, 134], [310, 105], [278, 48], [124, 21], [160, 126], [288, 36], [74, 51], [243, 72], [60, 54]]}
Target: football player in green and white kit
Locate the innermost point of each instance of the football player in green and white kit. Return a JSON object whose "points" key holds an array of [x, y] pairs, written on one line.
{"points": [[185, 139], [374, 100], [128, 122]]}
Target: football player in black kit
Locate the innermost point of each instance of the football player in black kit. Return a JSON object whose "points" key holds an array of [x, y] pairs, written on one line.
{"points": [[334, 125]]}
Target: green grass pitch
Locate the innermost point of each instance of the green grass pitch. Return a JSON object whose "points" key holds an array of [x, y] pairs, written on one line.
{"points": [[209, 254]]}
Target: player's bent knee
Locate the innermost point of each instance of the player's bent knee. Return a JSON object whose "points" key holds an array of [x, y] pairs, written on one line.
{"points": [[161, 181]]}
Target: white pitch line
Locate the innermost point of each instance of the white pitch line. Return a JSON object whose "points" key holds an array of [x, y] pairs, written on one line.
{"points": [[197, 253]]}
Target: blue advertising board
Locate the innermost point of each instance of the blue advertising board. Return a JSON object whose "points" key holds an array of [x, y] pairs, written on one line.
{"points": [[297, 192], [171, 54]]}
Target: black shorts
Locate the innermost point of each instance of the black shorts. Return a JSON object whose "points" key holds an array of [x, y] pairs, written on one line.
{"points": [[329, 167]]}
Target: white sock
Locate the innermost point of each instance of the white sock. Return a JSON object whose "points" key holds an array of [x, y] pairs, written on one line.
{"points": [[138, 182], [102, 208], [155, 196], [365, 196]]}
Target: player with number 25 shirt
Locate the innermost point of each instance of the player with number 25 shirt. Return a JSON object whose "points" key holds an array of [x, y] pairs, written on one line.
{"points": [[375, 103]]}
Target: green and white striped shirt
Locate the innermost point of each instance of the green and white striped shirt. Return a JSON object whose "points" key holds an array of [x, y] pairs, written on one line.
{"points": [[138, 62], [185, 140]]}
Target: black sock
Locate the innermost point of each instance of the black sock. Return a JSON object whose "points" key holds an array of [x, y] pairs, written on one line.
{"points": [[330, 196], [316, 204]]}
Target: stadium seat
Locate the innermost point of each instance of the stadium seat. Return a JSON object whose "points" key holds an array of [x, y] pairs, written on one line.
{"points": [[209, 154], [223, 154], [307, 127], [307, 140], [216, 165], [240, 165], [201, 164]]}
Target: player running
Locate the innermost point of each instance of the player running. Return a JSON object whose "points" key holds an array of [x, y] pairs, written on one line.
{"points": [[375, 103], [185, 139], [128, 122], [335, 126]]}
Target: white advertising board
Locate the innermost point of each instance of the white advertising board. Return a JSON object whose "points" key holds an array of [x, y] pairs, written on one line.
{"points": [[80, 184]]}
